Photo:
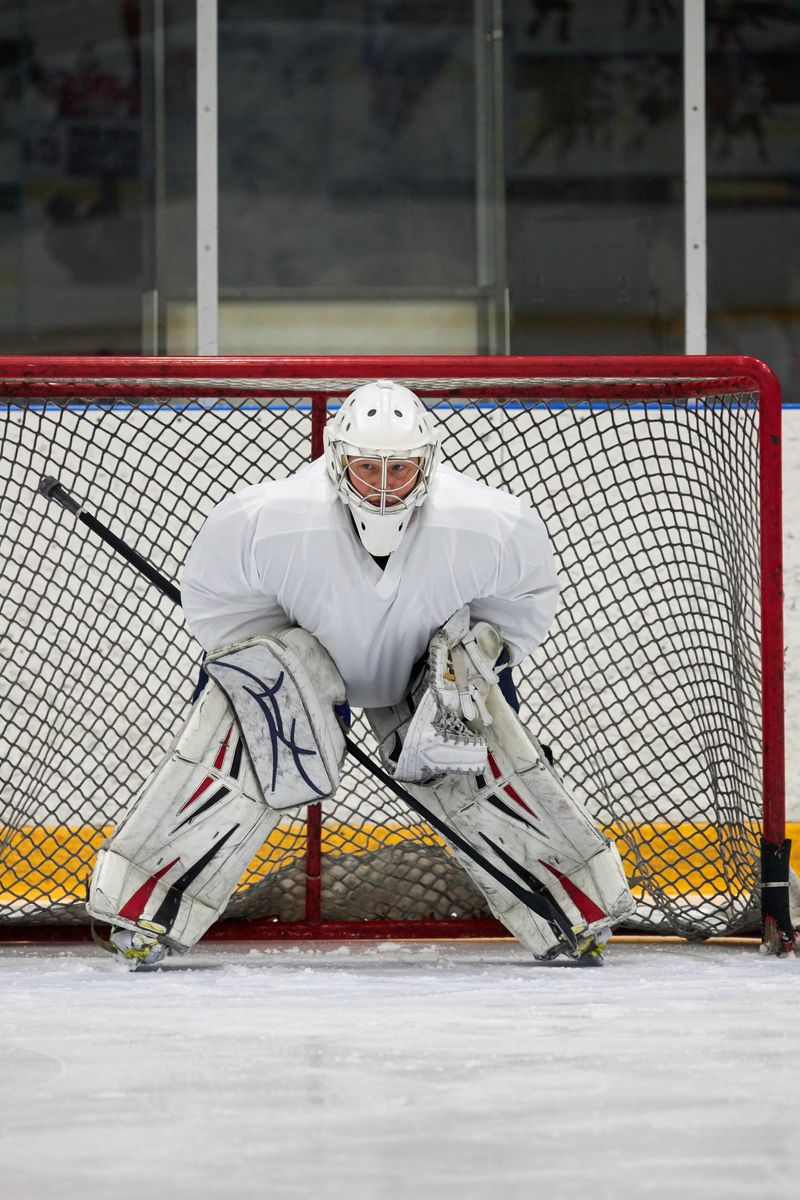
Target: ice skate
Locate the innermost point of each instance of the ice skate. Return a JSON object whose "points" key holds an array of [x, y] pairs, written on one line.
{"points": [[137, 949], [590, 951]]}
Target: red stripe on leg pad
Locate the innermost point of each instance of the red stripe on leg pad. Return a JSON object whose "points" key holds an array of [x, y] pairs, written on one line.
{"points": [[220, 759], [510, 792], [206, 783], [585, 906], [507, 788], [136, 905]]}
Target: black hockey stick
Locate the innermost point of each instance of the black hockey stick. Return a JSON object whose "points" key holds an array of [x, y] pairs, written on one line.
{"points": [[52, 489], [535, 895]]}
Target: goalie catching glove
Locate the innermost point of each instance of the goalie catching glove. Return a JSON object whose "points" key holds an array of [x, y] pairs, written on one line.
{"points": [[438, 742], [461, 666], [461, 670]]}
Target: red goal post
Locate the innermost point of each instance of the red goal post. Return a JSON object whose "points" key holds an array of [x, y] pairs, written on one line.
{"points": [[152, 443]]}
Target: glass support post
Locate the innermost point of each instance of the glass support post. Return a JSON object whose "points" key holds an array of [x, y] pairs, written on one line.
{"points": [[153, 179], [207, 180], [694, 144], [492, 298]]}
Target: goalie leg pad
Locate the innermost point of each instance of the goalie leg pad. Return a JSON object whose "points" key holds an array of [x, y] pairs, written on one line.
{"points": [[171, 865], [282, 689], [550, 876]]}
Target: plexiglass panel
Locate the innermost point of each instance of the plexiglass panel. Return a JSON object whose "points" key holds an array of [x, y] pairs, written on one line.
{"points": [[70, 176], [594, 176]]}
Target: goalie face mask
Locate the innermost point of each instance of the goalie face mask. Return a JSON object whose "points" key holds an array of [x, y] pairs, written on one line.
{"points": [[382, 493]]}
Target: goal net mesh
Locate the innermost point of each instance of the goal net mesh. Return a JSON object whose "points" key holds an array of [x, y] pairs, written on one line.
{"points": [[647, 690]]}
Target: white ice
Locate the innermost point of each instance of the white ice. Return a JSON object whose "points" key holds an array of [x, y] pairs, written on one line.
{"points": [[446, 1071]]}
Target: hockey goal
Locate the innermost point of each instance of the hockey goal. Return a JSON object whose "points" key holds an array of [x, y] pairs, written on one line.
{"points": [[658, 690]]}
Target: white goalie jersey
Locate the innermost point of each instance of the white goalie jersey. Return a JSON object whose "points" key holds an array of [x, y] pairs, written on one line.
{"points": [[286, 552]]}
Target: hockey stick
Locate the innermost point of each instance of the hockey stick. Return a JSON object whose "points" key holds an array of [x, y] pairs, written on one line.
{"points": [[535, 895], [52, 490]]}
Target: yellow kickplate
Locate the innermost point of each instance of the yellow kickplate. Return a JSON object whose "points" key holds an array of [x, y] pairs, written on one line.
{"points": [[52, 865], [690, 857]]}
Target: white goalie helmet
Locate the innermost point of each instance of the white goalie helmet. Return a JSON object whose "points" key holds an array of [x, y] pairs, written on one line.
{"points": [[381, 450]]}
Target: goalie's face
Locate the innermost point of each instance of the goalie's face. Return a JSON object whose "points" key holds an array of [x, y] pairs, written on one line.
{"points": [[384, 482]]}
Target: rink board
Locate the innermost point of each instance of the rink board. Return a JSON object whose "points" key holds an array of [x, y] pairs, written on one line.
{"points": [[59, 859]]}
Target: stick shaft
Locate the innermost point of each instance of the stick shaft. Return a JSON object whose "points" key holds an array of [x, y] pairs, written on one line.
{"points": [[53, 490], [539, 904], [147, 569]]}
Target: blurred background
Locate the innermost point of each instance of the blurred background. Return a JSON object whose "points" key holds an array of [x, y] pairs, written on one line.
{"points": [[398, 176]]}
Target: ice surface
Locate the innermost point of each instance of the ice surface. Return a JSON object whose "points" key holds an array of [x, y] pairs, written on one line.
{"points": [[447, 1071]]}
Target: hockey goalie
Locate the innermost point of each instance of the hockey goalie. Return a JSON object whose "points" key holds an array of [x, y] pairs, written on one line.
{"points": [[381, 578]]}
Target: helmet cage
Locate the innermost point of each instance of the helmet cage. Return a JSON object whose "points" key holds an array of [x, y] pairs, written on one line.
{"points": [[342, 456]]}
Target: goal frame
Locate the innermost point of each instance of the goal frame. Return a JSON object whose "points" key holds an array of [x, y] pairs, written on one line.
{"points": [[649, 378]]}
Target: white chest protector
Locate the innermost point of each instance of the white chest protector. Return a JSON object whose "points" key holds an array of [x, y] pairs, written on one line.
{"points": [[286, 551]]}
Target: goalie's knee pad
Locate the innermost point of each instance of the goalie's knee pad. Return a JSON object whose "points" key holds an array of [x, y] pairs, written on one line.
{"points": [[271, 743], [547, 872]]}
